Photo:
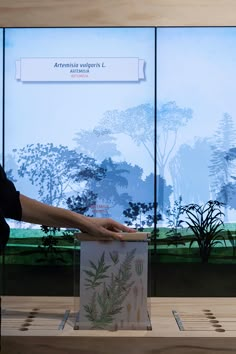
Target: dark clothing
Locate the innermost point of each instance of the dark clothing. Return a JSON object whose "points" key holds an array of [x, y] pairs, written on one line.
{"points": [[10, 206]]}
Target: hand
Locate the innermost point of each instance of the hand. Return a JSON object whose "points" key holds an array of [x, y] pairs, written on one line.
{"points": [[105, 227]]}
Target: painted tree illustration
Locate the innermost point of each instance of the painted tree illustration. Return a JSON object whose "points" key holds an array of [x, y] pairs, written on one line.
{"points": [[139, 214], [107, 188], [46, 167], [82, 202], [139, 124], [10, 167], [83, 169], [164, 192], [135, 185], [10, 175], [142, 189], [229, 189], [170, 118], [55, 170], [220, 165], [97, 143], [136, 122], [189, 170]]}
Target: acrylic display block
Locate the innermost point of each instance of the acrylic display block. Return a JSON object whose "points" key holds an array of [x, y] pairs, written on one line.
{"points": [[111, 282]]}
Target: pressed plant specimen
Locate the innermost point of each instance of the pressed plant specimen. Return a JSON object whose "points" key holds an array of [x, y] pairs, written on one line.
{"points": [[108, 297]]}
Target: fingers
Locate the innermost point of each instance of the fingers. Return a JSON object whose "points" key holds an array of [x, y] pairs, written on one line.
{"points": [[109, 228], [128, 229], [116, 226], [115, 235]]}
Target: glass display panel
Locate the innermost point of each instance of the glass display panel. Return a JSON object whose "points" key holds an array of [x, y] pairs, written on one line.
{"points": [[79, 127], [196, 139]]}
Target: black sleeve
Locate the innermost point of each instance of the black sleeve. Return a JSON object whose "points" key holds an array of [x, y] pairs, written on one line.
{"points": [[9, 198], [4, 233]]}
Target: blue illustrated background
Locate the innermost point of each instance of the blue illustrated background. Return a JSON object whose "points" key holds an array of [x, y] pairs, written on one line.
{"points": [[196, 74], [140, 152], [55, 120]]}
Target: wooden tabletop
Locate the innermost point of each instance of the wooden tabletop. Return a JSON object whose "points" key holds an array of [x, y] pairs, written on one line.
{"points": [[179, 325]]}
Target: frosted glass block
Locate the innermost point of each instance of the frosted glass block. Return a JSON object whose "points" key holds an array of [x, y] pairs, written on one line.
{"points": [[112, 293]]}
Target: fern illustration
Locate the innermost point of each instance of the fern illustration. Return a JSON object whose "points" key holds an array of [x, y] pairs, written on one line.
{"points": [[114, 257], [91, 309], [97, 274], [112, 296]]}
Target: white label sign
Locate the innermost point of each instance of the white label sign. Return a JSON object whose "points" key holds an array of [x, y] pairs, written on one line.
{"points": [[79, 69]]}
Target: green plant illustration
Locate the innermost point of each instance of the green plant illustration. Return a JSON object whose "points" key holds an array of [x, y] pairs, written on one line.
{"points": [[175, 223], [206, 223], [104, 305], [97, 274], [114, 256]]}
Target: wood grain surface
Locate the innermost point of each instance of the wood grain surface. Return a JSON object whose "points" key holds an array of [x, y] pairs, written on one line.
{"points": [[50, 13], [198, 337], [126, 236]]}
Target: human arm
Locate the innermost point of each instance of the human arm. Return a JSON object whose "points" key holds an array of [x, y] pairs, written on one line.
{"points": [[36, 212]]}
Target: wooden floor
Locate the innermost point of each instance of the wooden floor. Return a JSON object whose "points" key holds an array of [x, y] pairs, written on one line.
{"points": [[179, 325]]}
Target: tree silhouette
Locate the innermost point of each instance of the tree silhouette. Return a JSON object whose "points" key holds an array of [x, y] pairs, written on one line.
{"points": [[139, 123], [82, 202], [107, 188], [96, 143], [189, 171], [136, 122], [141, 190], [170, 118], [139, 214], [10, 175], [220, 164], [229, 189], [55, 170]]}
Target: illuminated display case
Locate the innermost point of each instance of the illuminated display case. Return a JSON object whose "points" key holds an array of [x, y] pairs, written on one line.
{"points": [[111, 283]]}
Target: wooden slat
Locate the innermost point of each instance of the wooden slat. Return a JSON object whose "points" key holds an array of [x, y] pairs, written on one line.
{"points": [[126, 236]]}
